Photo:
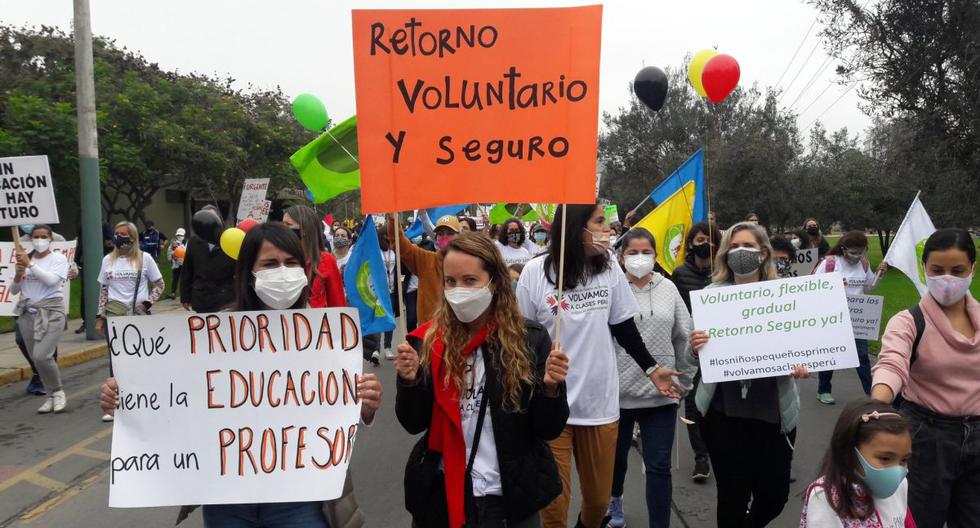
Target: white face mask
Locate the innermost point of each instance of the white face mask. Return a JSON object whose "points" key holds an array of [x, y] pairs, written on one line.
{"points": [[947, 290], [279, 287], [41, 244], [796, 243], [469, 303], [639, 265]]}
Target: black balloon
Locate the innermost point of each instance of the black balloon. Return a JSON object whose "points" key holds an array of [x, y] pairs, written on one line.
{"points": [[207, 225], [650, 85]]}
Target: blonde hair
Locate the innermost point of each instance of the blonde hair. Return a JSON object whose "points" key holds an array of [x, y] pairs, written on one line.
{"points": [[133, 253], [767, 271], [508, 335]]}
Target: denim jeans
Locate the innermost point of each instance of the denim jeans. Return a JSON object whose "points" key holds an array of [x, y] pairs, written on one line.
{"points": [[657, 425], [944, 472], [863, 370], [267, 515]]}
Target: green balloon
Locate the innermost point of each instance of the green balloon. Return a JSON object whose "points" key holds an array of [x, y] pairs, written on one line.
{"points": [[310, 112]]}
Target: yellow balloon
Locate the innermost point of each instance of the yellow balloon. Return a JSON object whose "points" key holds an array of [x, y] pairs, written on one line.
{"points": [[696, 67], [231, 241]]}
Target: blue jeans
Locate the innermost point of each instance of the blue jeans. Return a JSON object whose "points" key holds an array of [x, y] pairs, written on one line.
{"points": [[863, 370], [267, 515], [657, 425]]}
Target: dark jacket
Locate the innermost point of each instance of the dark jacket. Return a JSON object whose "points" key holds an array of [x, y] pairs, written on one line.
{"points": [[528, 473], [688, 277], [207, 277]]}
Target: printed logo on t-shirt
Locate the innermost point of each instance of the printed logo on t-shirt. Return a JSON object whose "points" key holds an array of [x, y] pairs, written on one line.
{"points": [[592, 299], [124, 274]]}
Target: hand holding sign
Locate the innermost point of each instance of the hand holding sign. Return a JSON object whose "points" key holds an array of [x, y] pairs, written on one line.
{"points": [[407, 362], [109, 396], [370, 392], [555, 369]]}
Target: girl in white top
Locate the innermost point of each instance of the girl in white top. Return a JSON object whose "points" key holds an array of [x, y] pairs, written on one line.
{"points": [[863, 481], [849, 258], [596, 306], [40, 280], [511, 240]]}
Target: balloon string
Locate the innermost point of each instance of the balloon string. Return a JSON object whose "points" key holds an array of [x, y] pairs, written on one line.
{"points": [[345, 148]]}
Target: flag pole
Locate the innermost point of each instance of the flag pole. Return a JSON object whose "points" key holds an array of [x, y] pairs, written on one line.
{"points": [[561, 271], [904, 218]]}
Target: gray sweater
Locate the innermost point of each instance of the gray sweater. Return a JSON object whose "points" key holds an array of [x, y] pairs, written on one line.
{"points": [[664, 324]]}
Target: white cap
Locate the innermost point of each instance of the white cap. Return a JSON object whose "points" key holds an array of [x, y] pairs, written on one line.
{"points": [[180, 232]]}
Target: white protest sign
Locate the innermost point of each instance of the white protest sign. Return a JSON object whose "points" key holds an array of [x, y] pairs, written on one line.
{"points": [[234, 407], [866, 315], [8, 269], [806, 261], [26, 191], [253, 196], [261, 212], [766, 329]]}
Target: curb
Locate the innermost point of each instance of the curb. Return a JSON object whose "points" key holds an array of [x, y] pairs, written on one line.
{"points": [[23, 372]]}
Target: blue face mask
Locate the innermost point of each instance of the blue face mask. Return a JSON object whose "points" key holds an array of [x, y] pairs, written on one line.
{"points": [[513, 284], [416, 240], [882, 482], [539, 236], [27, 228]]}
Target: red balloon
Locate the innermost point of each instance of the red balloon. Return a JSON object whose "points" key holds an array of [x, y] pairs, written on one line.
{"points": [[720, 77], [247, 224]]}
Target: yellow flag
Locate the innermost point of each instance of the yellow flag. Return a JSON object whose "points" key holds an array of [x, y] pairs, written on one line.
{"points": [[668, 224]]}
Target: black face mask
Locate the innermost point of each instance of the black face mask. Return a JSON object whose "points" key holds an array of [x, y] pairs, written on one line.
{"points": [[514, 238], [813, 230], [122, 242], [702, 251]]}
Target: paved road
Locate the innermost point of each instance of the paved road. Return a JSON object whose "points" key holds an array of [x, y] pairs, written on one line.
{"points": [[53, 467]]}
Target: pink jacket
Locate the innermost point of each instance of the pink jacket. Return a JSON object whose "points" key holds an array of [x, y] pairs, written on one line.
{"points": [[946, 375]]}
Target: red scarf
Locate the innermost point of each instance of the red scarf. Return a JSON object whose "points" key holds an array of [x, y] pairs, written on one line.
{"points": [[446, 430]]}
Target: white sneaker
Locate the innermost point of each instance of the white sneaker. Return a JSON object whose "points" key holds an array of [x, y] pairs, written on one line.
{"points": [[60, 400], [48, 405], [107, 418], [389, 354]]}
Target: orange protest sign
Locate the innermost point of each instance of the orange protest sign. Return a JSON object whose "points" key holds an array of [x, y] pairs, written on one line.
{"points": [[476, 105]]}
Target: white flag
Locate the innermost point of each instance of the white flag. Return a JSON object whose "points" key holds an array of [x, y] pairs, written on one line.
{"points": [[905, 252]]}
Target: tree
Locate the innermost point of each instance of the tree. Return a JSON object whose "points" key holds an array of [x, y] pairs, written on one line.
{"points": [[749, 147], [920, 61]]}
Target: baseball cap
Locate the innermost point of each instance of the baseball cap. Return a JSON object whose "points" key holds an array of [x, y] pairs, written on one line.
{"points": [[449, 221]]}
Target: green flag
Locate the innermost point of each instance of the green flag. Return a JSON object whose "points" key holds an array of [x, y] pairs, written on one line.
{"points": [[502, 211], [327, 164]]}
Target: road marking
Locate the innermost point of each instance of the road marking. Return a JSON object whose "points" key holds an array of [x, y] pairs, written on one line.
{"points": [[26, 475], [92, 453], [45, 482], [58, 499]]}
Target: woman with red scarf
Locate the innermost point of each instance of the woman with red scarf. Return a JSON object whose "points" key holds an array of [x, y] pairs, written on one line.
{"points": [[488, 387]]}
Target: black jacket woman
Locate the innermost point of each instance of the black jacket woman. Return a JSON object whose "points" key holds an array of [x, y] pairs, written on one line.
{"points": [[489, 390]]}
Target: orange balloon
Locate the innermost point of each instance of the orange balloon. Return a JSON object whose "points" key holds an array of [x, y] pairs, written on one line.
{"points": [[179, 252]]}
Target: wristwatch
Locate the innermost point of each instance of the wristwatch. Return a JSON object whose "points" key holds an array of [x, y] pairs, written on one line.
{"points": [[651, 370]]}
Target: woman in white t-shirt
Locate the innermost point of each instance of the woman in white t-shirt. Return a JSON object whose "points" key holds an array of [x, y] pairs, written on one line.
{"points": [[596, 306], [510, 241], [40, 280], [126, 278], [487, 387], [849, 258]]}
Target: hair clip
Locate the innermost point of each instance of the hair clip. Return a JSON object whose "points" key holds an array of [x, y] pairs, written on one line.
{"points": [[877, 415]]}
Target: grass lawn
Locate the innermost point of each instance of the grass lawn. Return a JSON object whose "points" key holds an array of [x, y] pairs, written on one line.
{"points": [[75, 308], [898, 290]]}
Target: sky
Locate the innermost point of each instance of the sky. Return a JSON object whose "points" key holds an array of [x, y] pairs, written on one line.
{"points": [[305, 45]]}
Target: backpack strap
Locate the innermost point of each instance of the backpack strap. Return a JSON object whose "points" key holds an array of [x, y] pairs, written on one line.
{"points": [[920, 327], [865, 264]]}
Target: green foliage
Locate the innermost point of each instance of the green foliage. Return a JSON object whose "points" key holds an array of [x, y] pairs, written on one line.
{"points": [[157, 129], [920, 63]]}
